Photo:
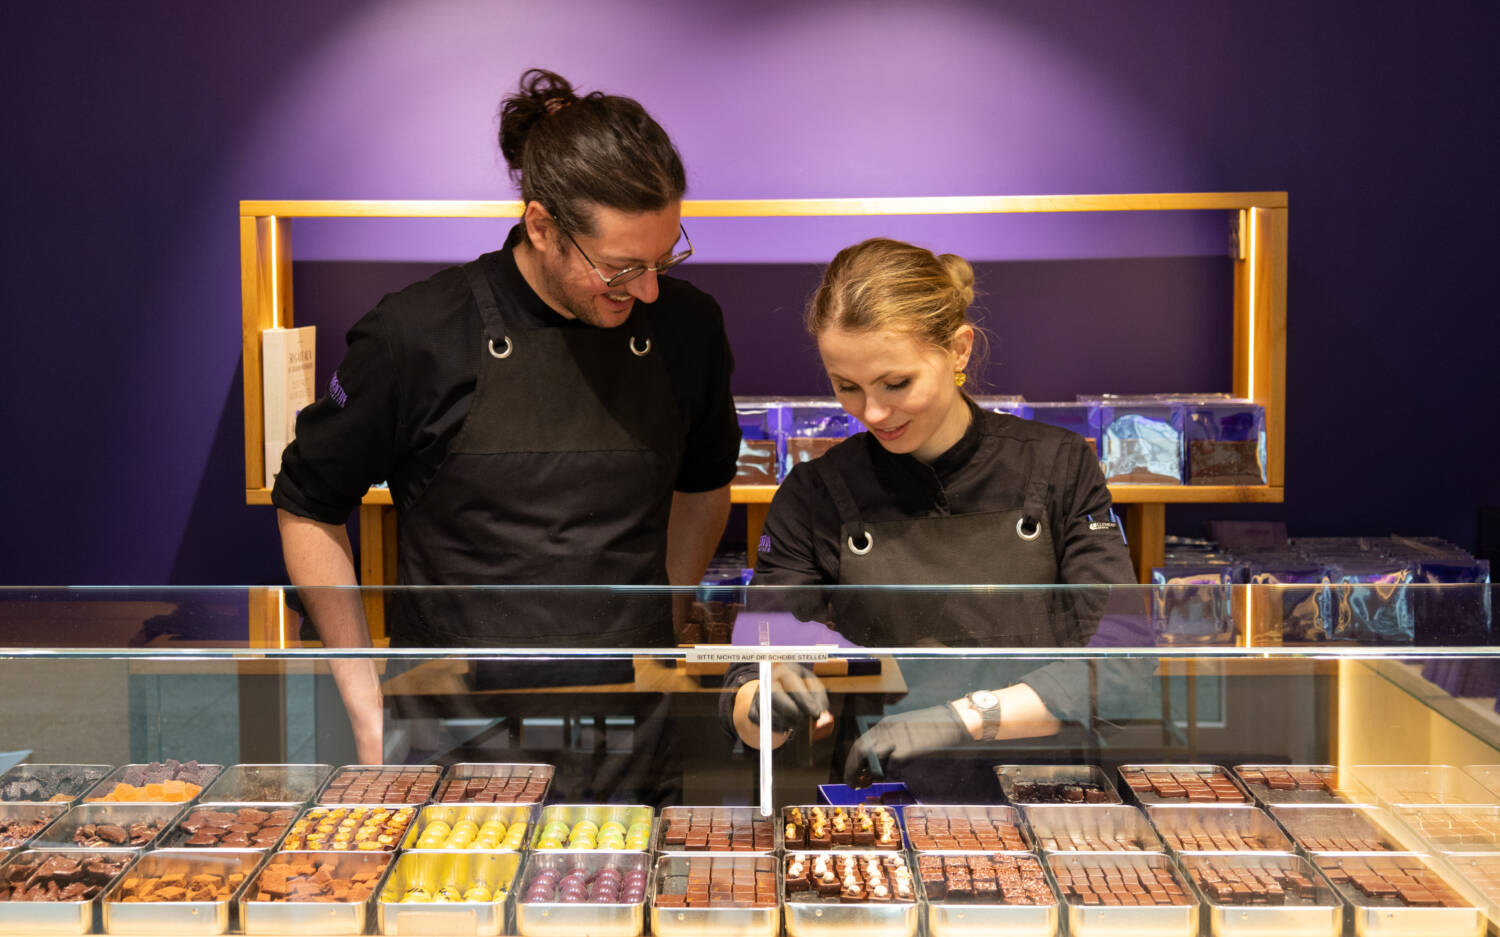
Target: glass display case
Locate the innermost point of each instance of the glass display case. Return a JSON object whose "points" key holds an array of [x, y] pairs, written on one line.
{"points": [[184, 763]]}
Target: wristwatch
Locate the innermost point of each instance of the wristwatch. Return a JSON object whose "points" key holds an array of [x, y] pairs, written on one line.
{"points": [[987, 705]]}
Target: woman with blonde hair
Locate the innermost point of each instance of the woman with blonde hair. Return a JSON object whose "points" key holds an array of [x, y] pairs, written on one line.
{"points": [[938, 492]]}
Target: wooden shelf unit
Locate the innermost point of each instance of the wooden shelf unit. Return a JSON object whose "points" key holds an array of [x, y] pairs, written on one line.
{"points": [[1258, 306]]}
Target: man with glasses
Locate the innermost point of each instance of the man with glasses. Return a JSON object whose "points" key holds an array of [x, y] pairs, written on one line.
{"points": [[556, 412]]}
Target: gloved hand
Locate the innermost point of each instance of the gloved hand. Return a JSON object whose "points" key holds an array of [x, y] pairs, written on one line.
{"points": [[797, 698], [902, 737]]}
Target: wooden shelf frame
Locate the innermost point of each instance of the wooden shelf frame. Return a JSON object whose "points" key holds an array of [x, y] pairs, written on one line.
{"points": [[1259, 221]]}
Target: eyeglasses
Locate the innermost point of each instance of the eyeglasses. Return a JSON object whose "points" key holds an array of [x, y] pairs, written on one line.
{"points": [[631, 273]]}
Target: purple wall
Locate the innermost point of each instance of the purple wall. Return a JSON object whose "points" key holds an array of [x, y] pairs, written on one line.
{"points": [[134, 129]]}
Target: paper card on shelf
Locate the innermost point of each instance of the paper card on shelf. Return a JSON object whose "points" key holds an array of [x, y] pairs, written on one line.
{"points": [[287, 357]]}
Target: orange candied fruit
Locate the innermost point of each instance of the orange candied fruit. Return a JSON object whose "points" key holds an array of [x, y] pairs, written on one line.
{"points": [[169, 792]]}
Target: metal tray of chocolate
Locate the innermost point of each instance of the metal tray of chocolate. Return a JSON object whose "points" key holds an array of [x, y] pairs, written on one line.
{"points": [[1421, 785], [255, 826], [1477, 878], [863, 826], [1337, 829], [1101, 828], [290, 895], [940, 828], [1123, 894], [21, 823], [1259, 894], [716, 895], [602, 894], [1056, 784], [1317, 785], [691, 830], [1218, 829], [179, 892], [586, 827], [110, 826], [836, 893], [267, 784], [448, 893], [1453, 829], [1400, 895], [977, 895], [475, 827], [494, 783], [64, 784], [57, 891], [1195, 785]]}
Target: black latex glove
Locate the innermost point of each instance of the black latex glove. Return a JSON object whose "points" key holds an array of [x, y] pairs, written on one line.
{"points": [[797, 697], [903, 737]]}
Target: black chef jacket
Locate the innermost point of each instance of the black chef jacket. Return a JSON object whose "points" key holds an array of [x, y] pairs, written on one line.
{"points": [[987, 470], [398, 398]]}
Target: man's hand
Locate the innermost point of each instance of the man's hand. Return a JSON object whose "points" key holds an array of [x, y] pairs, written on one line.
{"points": [[903, 737], [797, 698]]}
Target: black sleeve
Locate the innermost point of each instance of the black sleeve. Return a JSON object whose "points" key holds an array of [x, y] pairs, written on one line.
{"points": [[712, 445], [798, 547], [347, 440]]}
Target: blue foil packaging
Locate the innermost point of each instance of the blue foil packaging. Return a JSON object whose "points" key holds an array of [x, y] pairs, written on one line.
{"points": [[1367, 599], [1190, 603], [1069, 416], [1140, 440]]}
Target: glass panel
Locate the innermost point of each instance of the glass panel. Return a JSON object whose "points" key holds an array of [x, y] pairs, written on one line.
{"points": [[1100, 699]]}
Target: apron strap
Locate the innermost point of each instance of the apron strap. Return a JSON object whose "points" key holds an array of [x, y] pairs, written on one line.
{"points": [[843, 501], [489, 310], [1034, 507]]}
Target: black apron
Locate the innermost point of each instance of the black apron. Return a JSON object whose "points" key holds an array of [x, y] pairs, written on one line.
{"points": [[561, 475], [998, 548]]}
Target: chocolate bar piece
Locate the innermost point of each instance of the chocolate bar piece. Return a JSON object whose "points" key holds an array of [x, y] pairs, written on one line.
{"points": [[1390, 882], [930, 829], [703, 830], [1087, 880], [1199, 785], [380, 785], [58, 877], [985, 879], [244, 828]]}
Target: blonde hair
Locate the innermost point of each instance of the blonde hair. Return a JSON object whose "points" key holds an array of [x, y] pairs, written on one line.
{"points": [[886, 284]]}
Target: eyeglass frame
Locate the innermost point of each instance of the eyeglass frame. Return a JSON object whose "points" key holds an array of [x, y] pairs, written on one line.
{"points": [[630, 274]]}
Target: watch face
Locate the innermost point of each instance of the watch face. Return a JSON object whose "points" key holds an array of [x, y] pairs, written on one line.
{"points": [[984, 699]]}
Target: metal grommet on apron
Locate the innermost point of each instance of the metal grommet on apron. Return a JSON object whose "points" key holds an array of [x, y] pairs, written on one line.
{"points": [[640, 352], [502, 354], [861, 551], [1036, 528]]}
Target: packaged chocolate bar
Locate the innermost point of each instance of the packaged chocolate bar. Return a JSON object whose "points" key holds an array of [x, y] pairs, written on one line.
{"points": [[812, 427], [762, 431], [1226, 441], [1140, 440]]}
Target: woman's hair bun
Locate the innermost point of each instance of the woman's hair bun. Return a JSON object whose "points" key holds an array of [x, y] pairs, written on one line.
{"points": [[541, 93], [961, 272]]}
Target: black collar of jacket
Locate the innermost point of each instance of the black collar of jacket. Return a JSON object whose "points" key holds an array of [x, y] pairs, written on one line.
{"points": [[916, 485]]}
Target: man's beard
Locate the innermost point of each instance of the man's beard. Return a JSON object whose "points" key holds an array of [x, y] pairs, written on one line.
{"points": [[581, 309]]}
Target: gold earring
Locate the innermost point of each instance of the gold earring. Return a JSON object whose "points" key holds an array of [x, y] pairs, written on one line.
{"points": [[959, 378]]}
